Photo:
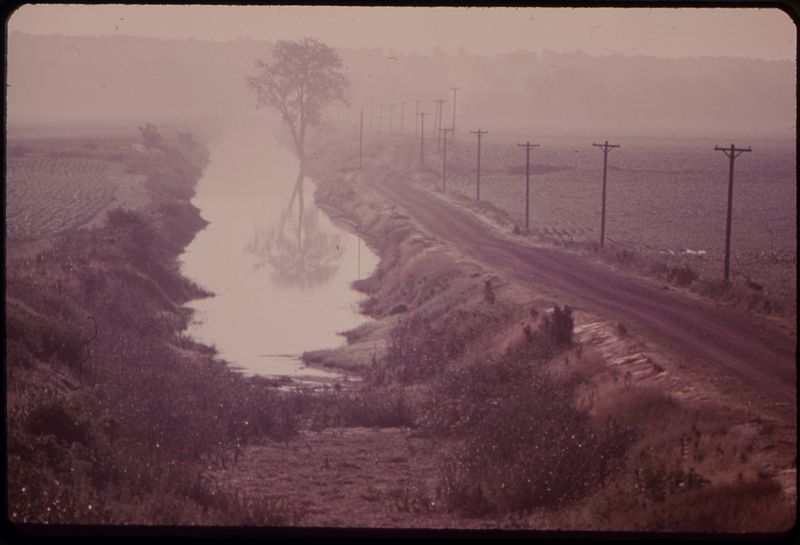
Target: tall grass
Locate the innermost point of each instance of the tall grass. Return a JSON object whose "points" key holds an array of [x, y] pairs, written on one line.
{"points": [[521, 441], [131, 440]]}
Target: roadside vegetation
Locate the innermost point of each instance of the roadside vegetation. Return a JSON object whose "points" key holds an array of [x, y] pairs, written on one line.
{"points": [[534, 429], [115, 416]]}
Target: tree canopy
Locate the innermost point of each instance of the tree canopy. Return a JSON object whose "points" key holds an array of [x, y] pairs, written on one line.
{"points": [[304, 77]]}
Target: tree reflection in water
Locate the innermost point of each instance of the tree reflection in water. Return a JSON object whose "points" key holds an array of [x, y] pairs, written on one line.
{"points": [[296, 249]]}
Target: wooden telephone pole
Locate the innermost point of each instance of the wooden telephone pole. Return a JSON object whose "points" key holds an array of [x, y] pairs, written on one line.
{"points": [[416, 119], [438, 123], [527, 146], [453, 126], [361, 141], [732, 152], [444, 159], [606, 148], [478, 174], [422, 139], [371, 114]]}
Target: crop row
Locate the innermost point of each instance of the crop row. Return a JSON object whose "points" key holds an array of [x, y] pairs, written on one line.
{"points": [[46, 195]]}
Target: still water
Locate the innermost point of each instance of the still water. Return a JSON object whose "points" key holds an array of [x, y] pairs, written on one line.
{"points": [[279, 269]]}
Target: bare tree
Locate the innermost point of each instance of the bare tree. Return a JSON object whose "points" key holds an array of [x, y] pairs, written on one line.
{"points": [[303, 78]]}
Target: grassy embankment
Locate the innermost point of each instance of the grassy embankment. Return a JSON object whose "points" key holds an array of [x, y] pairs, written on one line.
{"points": [[544, 417], [117, 425]]}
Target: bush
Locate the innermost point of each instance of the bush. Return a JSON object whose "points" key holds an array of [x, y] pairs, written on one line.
{"points": [[51, 418], [747, 506], [558, 327], [419, 348], [373, 407], [522, 442], [150, 136], [553, 334]]}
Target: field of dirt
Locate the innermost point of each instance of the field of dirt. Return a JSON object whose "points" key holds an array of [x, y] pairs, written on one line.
{"points": [[57, 184]]}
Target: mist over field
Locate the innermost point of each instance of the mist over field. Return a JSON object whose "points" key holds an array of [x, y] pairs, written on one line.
{"points": [[62, 79], [390, 267]]}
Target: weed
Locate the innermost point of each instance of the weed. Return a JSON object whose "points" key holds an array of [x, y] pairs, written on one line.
{"points": [[744, 506], [522, 442]]}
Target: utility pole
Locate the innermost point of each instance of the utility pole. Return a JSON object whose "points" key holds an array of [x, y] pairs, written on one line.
{"points": [[361, 141], [439, 103], [371, 115], [444, 159], [435, 132], [606, 148], [422, 139], [402, 115], [453, 126], [416, 119], [733, 152], [478, 178], [527, 146]]}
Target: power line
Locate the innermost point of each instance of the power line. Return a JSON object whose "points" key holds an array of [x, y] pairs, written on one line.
{"points": [[606, 148], [733, 152], [527, 146], [478, 175]]}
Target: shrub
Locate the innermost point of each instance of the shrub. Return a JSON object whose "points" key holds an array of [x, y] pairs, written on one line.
{"points": [[150, 136], [558, 327], [368, 406], [123, 218], [747, 506], [523, 443], [419, 348], [51, 418]]}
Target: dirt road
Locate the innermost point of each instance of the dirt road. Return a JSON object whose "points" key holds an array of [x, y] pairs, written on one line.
{"points": [[721, 337]]}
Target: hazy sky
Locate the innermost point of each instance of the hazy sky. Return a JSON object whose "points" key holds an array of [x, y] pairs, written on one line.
{"points": [[765, 33]]}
